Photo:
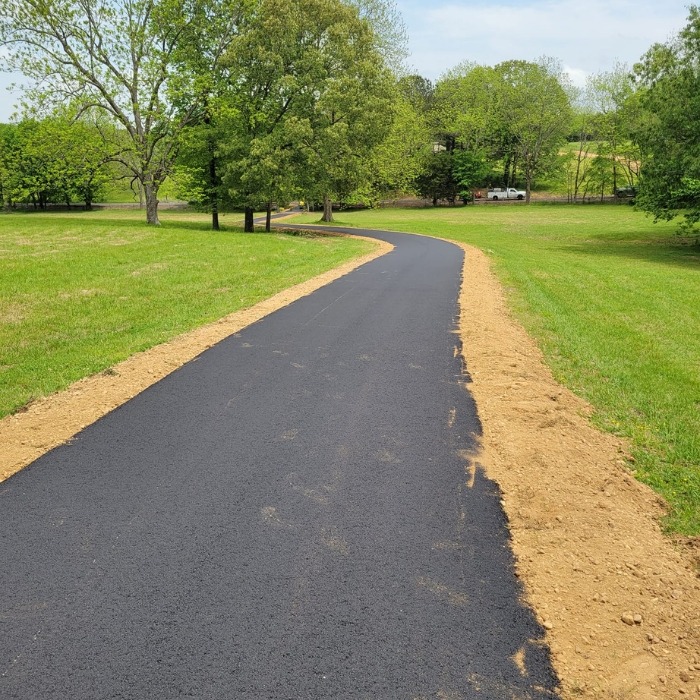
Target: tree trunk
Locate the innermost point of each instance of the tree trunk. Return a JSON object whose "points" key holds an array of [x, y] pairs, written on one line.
{"points": [[506, 171], [88, 204], [528, 187], [327, 209], [151, 194], [268, 217], [249, 225], [213, 192]]}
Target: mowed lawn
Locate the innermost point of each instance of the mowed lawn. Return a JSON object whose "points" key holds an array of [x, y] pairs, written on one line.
{"points": [[614, 301], [81, 291]]}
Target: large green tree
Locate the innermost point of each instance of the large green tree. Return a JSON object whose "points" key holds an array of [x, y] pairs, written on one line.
{"points": [[312, 93], [669, 130], [130, 59], [397, 162], [391, 38], [299, 84], [272, 66], [535, 111], [466, 106]]}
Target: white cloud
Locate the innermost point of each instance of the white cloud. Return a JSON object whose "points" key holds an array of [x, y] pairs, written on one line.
{"points": [[576, 76]]}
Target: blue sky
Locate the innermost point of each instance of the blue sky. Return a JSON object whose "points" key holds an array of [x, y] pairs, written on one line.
{"points": [[587, 36]]}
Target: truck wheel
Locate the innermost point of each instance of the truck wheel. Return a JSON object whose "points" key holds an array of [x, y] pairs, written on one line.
{"points": [[520, 196], [495, 197]]}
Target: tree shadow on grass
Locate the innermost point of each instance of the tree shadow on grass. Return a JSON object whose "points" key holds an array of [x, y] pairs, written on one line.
{"points": [[667, 251], [232, 222]]}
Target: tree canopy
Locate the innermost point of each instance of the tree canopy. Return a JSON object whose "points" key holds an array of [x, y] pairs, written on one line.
{"points": [[131, 59], [669, 130]]}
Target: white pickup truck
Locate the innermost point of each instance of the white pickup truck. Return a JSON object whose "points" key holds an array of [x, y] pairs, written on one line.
{"points": [[505, 193]]}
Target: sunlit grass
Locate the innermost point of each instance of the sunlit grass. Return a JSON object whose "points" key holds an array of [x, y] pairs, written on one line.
{"points": [[82, 291], [614, 301]]}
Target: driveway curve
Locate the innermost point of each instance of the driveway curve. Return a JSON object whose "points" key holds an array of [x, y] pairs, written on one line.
{"points": [[298, 513]]}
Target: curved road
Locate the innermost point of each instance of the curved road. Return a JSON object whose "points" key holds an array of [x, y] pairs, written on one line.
{"points": [[293, 515]]}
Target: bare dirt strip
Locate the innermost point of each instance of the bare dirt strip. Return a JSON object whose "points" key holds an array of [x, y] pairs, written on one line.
{"points": [[620, 601]]}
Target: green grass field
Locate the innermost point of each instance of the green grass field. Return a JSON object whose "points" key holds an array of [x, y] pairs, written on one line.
{"points": [[614, 301], [82, 291]]}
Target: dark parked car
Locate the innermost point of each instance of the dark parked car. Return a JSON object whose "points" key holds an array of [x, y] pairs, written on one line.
{"points": [[626, 192]]}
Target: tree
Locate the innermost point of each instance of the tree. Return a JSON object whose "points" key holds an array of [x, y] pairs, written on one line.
{"points": [[437, 181], [607, 94], [419, 92], [343, 107], [266, 118], [669, 130], [470, 168], [536, 112], [389, 30], [401, 157], [272, 67], [197, 170], [22, 179], [7, 137], [578, 167], [52, 160], [126, 58], [466, 106], [467, 121]]}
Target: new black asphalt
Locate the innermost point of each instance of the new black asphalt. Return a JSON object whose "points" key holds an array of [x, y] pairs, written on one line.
{"points": [[293, 515]]}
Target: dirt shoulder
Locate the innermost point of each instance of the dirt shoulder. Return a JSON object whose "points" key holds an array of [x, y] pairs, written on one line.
{"points": [[621, 603]]}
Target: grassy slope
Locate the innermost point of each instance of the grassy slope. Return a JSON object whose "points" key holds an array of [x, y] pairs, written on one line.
{"points": [[82, 291], [613, 300]]}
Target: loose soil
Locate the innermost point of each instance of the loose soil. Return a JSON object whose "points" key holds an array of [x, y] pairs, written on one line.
{"points": [[619, 600]]}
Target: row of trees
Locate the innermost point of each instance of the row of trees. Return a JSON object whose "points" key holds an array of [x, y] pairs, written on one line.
{"points": [[249, 102], [510, 118], [56, 159]]}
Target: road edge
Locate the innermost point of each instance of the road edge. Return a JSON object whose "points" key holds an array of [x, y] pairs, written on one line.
{"points": [[55, 419], [618, 599]]}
